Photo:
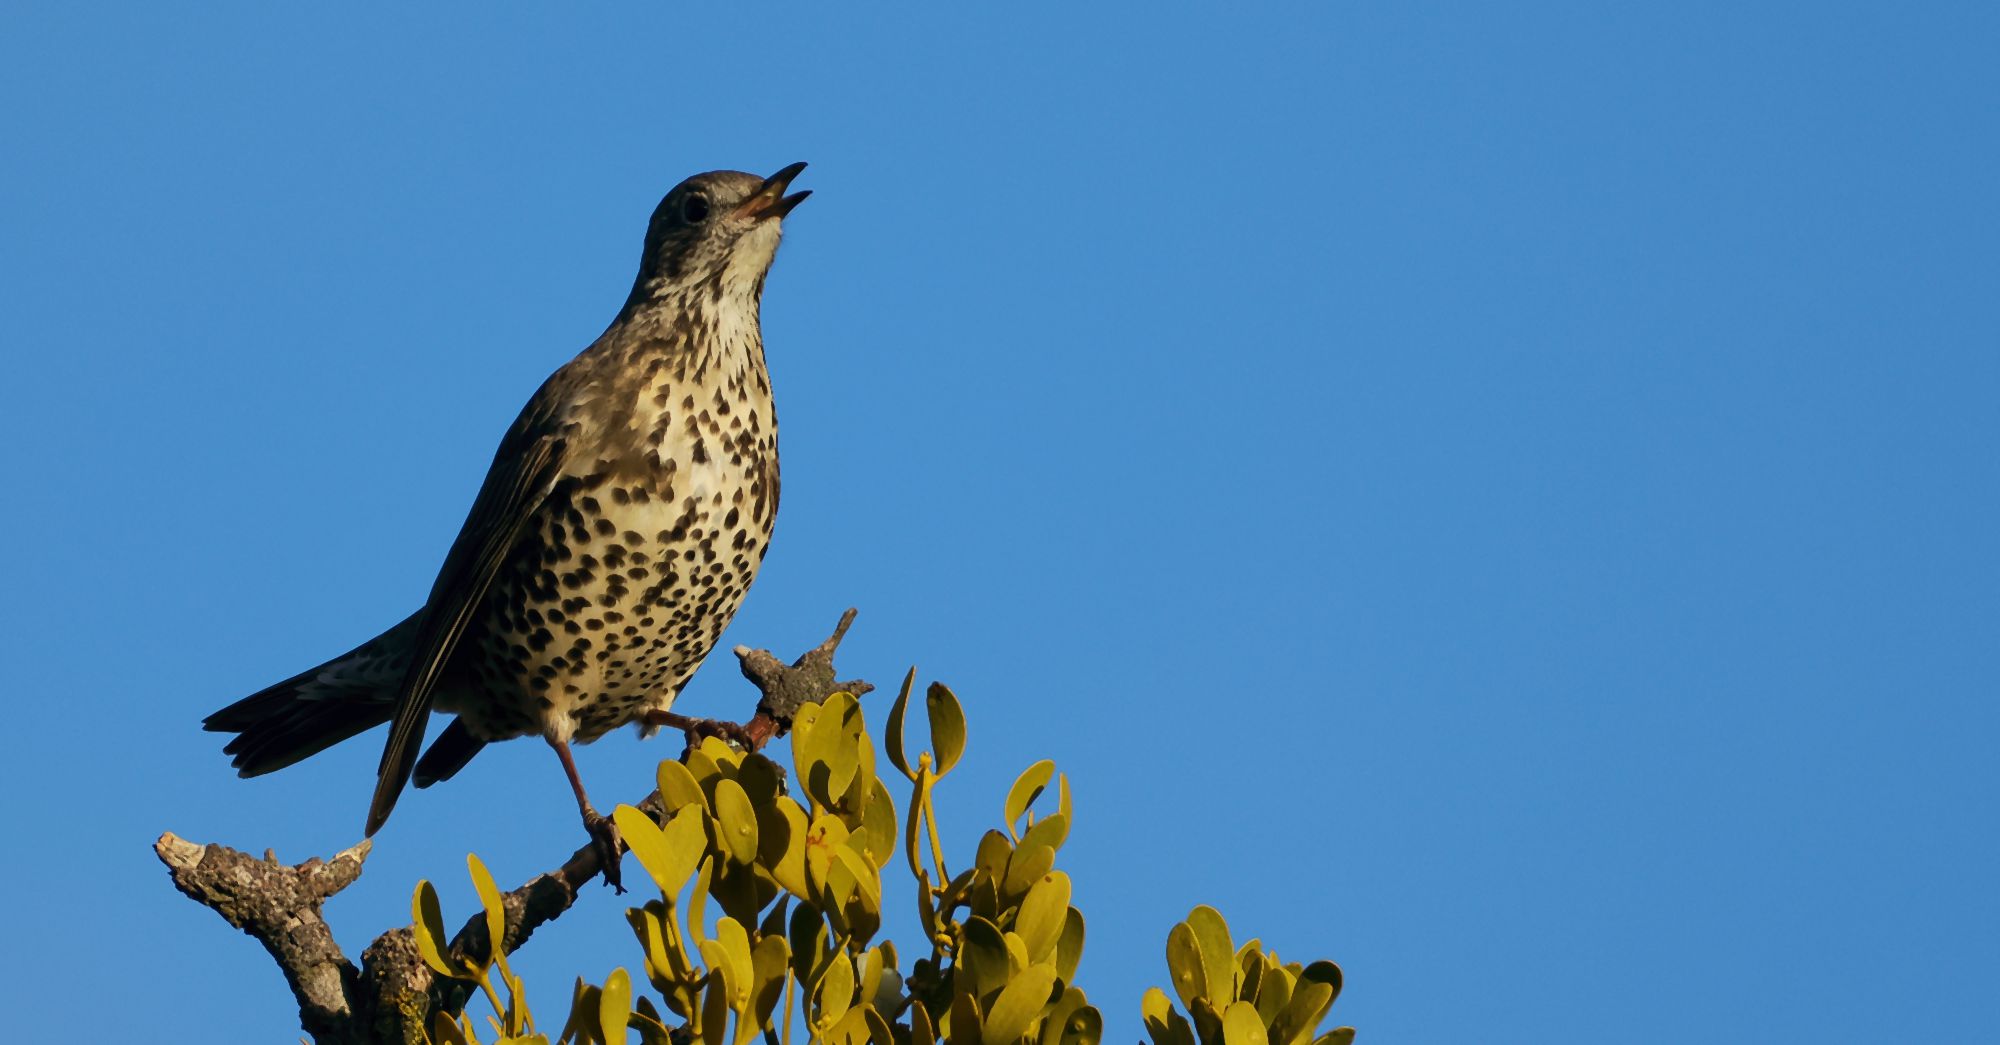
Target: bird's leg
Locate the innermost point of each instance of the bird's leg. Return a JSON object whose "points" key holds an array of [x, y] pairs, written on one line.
{"points": [[603, 833], [746, 736]]}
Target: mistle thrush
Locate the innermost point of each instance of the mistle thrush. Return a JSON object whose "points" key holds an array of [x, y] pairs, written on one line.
{"points": [[621, 522]]}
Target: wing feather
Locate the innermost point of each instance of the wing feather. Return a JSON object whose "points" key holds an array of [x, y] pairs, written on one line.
{"points": [[524, 472]]}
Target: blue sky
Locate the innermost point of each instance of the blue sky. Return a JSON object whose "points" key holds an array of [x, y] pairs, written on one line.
{"points": [[1500, 496]]}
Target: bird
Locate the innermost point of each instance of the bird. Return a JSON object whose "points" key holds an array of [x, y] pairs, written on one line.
{"points": [[624, 516]]}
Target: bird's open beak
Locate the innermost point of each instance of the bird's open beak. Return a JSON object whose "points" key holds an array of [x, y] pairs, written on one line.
{"points": [[770, 201]]}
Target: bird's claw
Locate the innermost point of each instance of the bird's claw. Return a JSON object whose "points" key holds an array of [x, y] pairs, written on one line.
{"points": [[697, 728], [610, 846], [733, 732]]}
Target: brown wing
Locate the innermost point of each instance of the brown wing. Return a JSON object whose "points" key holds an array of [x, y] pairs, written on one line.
{"points": [[524, 471]]}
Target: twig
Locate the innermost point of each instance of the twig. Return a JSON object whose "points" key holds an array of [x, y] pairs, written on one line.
{"points": [[807, 680]]}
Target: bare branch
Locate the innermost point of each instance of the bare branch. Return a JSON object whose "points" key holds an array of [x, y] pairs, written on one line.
{"points": [[279, 906], [808, 680]]}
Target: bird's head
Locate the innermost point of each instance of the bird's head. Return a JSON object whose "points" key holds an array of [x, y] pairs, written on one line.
{"points": [[717, 231]]}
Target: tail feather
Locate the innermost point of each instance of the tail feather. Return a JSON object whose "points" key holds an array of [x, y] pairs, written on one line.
{"points": [[448, 754], [315, 709], [292, 727]]}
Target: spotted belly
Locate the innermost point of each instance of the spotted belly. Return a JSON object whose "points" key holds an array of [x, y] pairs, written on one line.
{"points": [[608, 605]]}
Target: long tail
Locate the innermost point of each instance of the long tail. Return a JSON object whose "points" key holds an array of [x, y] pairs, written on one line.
{"points": [[315, 709]]}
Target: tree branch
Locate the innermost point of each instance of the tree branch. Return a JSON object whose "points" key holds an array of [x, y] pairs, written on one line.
{"points": [[280, 907], [808, 680], [392, 997]]}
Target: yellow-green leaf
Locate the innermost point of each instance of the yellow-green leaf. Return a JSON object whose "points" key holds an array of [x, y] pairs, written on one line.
{"points": [[992, 855], [878, 824], [652, 1031], [864, 760], [705, 769], [1017, 1006], [1240, 1025], [870, 978], [736, 821], [696, 915], [947, 726], [665, 854], [678, 788], [868, 882], [445, 1030], [1027, 787], [1218, 955], [494, 906], [1017, 954], [714, 1022], [852, 1028], [879, 1032], [1059, 1013], [1048, 831], [892, 731], [836, 990], [927, 907], [827, 756], [1207, 1022], [1336, 1036], [1085, 1026], [1024, 869], [1165, 1025], [1274, 992], [921, 1030], [781, 845], [614, 1006], [770, 963], [1323, 972], [719, 751], [429, 922], [1069, 949], [1043, 911], [1184, 965], [581, 1027], [982, 896], [686, 837], [761, 779], [853, 897], [982, 957], [649, 924], [774, 919], [822, 837], [962, 1022], [913, 821], [1249, 970], [736, 949], [518, 1018], [1294, 1026], [803, 719], [808, 937]]}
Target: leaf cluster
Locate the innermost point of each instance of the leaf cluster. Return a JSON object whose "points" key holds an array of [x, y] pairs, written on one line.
{"points": [[770, 902], [1239, 995]]}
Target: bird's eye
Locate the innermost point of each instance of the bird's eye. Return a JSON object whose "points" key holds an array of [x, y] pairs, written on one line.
{"points": [[694, 209]]}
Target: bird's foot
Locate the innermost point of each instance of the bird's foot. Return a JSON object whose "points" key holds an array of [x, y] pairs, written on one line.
{"points": [[697, 728], [604, 835]]}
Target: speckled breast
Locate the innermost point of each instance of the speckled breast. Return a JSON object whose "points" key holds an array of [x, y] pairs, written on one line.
{"points": [[626, 579]]}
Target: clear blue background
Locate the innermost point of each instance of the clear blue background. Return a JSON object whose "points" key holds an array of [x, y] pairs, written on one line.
{"points": [[1502, 496]]}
